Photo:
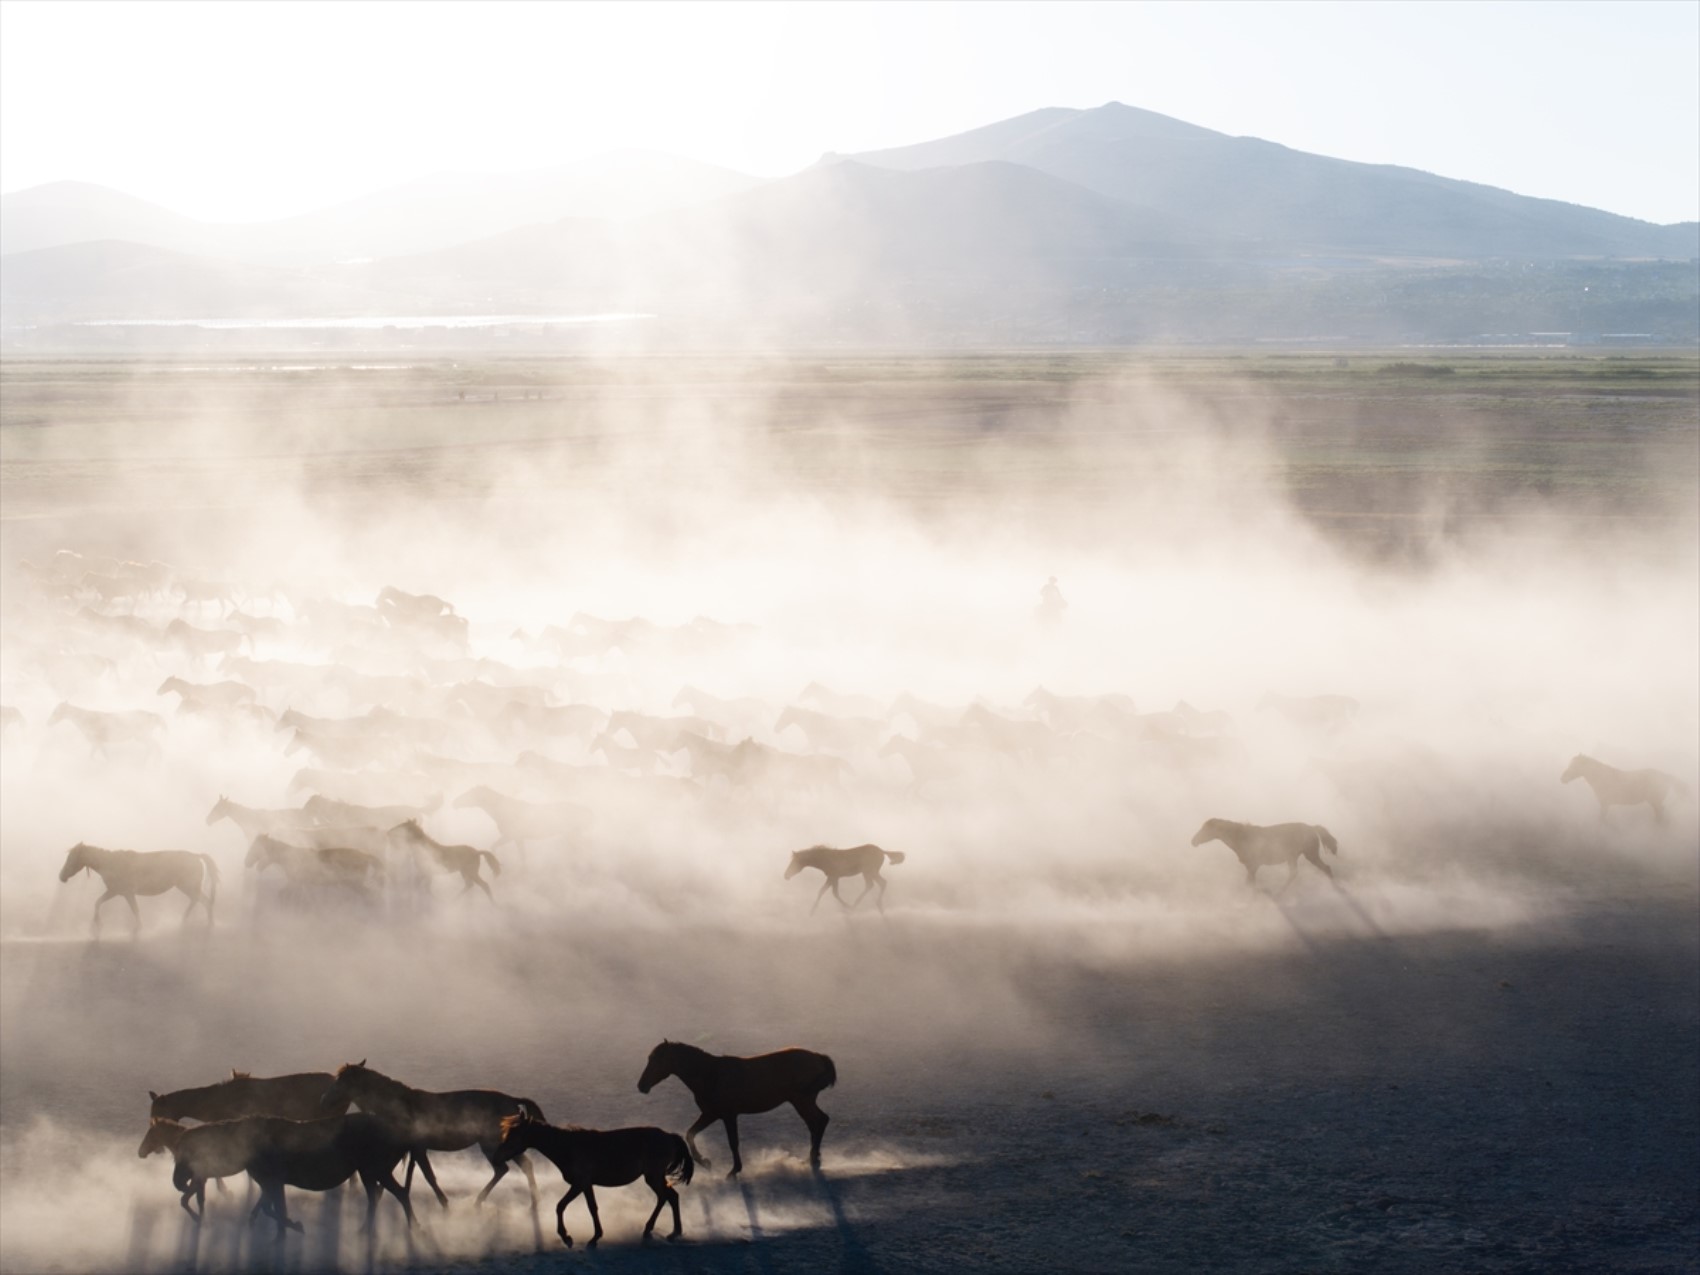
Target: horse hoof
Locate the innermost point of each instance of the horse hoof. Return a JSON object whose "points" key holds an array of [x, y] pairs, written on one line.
{"points": [[567, 1240]]}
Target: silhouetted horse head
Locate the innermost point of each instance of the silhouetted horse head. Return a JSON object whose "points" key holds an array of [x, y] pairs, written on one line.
{"points": [[1209, 832], [516, 1136], [1578, 767], [162, 1135], [75, 861], [348, 1076], [663, 1062]]}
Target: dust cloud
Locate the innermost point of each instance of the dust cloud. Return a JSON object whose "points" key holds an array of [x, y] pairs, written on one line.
{"points": [[669, 549]]}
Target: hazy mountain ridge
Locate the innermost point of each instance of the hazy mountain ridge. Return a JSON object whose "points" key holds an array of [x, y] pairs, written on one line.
{"points": [[423, 215], [1111, 224], [1252, 191]]}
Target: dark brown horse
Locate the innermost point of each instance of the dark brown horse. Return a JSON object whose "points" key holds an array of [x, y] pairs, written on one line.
{"points": [[296, 1097], [426, 1121], [726, 1087], [321, 1155], [127, 873], [589, 1158], [315, 1155]]}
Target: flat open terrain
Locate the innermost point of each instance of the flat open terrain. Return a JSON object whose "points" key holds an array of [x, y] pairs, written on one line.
{"points": [[1073, 1040]]}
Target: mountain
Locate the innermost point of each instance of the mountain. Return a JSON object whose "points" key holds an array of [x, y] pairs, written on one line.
{"points": [[78, 212], [838, 234], [113, 279], [1111, 225], [419, 216], [1248, 192]]}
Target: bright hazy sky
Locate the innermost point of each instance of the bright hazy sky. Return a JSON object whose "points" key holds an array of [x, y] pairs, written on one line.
{"points": [[242, 111]]}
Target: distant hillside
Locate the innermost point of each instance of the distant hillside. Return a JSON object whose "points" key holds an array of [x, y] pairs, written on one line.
{"points": [[111, 279], [419, 216], [1244, 191], [1113, 225]]}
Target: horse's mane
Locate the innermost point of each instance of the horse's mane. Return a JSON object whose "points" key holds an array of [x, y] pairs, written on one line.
{"points": [[686, 1046], [240, 1075]]}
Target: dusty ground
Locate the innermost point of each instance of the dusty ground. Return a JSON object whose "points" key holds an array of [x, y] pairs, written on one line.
{"points": [[1313, 1095], [1074, 1042]]}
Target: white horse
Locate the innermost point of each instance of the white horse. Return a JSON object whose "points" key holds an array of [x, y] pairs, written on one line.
{"points": [[1614, 787]]}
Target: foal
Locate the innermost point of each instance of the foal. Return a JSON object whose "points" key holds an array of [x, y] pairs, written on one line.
{"points": [[589, 1158]]}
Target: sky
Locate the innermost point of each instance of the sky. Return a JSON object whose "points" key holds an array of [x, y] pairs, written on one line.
{"points": [[249, 111]]}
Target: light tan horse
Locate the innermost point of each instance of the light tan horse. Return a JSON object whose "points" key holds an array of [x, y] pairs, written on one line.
{"points": [[863, 861], [1259, 847], [127, 873], [307, 868], [462, 860], [1614, 787]]}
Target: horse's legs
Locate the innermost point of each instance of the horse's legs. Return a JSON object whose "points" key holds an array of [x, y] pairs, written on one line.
{"points": [[833, 882], [530, 1177], [386, 1180], [702, 1122], [135, 914], [501, 1168], [595, 1216], [1292, 874], [825, 885], [732, 1141], [424, 1162], [867, 884], [484, 885], [879, 899], [561, 1215], [817, 1121], [94, 926]]}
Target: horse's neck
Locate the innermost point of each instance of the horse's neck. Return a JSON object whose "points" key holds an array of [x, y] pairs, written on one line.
{"points": [[695, 1067], [383, 1091], [97, 858]]}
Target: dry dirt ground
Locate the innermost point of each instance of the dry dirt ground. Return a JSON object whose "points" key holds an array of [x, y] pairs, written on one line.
{"points": [[1478, 1050], [1310, 1095]]}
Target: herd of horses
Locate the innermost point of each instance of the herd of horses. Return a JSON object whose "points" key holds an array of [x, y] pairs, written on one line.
{"points": [[402, 726], [299, 1131]]}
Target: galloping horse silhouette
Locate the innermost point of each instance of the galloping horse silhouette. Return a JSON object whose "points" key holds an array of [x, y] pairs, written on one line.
{"points": [[426, 1121], [1264, 847], [127, 873], [1614, 787], [589, 1158], [863, 861], [297, 1097], [726, 1087]]}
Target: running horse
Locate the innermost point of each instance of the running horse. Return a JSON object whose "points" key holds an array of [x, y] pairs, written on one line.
{"points": [[308, 867], [448, 860], [863, 861], [127, 873], [1614, 787], [314, 1155], [726, 1087], [589, 1158], [426, 1121], [295, 1097], [1258, 847]]}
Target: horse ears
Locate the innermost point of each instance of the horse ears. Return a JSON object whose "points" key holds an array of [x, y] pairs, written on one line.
{"points": [[152, 1095], [361, 1063]]}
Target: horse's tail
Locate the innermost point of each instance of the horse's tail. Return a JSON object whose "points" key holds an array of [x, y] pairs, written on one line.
{"points": [[212, 876], [530, 1108], [1332, 846], [896, 856], [680, 1163], [495, 863], [830, 1070]]}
